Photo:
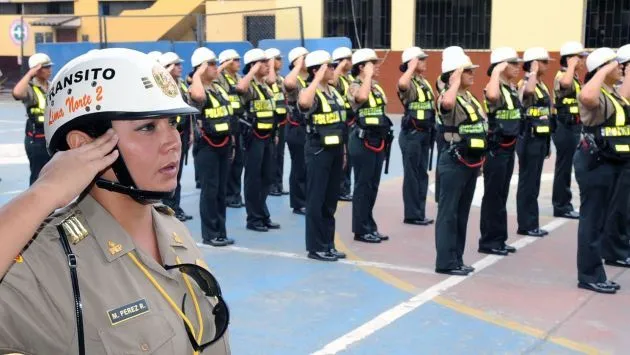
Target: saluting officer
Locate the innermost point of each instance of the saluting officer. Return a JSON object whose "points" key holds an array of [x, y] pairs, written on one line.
{"points": [[296, 133], [368, 143], [439, 127], [113, 273], [533, 144], [416, 134], [323, 109], [567, 126], [504, 126], [601, 157], [258, 135], [173, 65], [615, 246], [342, 61], [229, 65], [31, 90], [274, 80], [215, 146], [464, 128]]}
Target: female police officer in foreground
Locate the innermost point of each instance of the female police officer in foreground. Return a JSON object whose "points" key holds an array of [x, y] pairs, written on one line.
{"points": [[602, 155], [112, 273], [323, 108], [367, 143], [465, 136]]}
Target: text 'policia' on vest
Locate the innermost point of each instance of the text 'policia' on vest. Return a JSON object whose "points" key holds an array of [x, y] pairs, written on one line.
{"points": [[261, 112], [473, 133], [420, 114], [537, 115], [612, 139], [504, 124], [567, 110], [216, 127], [373, 124], [328, 121]]}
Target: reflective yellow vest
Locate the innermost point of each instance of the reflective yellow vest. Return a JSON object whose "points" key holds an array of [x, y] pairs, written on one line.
{"points": [[613, 137], [568, 106], [507, 119], [217, 113], [328, 120], [422, 110], [262, 108], [371, 114], [235, 100]]}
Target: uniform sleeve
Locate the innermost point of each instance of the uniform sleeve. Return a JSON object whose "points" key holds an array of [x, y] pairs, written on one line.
{"points": [[594, 116], [291, 94], [352, 90], [29, 100], [408, 95], [559, 91], [309, 111], [447, 116], [221, 81], [527, 100], [30, 320], [494, 106], [248, 95]]}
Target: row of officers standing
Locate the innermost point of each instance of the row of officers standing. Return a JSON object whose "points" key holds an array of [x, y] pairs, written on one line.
{"points": [[330, 110]]}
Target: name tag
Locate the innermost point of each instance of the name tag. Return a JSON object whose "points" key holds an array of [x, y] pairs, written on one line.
{"points": [[622, 148], [542, 129], [221, 127], [331, 140], [371, 120], [477, 143], [128, 311]]}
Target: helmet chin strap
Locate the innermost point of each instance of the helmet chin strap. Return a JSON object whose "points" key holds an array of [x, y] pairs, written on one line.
{"points": [[128, 187]]}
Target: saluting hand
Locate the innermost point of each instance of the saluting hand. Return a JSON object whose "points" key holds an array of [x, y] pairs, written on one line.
{"points": [[573, 61], [70, 172], [256, 67], [499, 68], [33, 70], [413, 64], [456, 77], [369, 69], [202, 68], [534, 67], [319, 75]]}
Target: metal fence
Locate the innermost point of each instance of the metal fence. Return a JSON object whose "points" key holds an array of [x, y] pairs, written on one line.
{"points": [[106, 30]]}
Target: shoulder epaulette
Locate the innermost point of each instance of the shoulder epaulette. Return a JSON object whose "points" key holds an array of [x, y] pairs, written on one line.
{"points": [[72, 228], [164, 209]]}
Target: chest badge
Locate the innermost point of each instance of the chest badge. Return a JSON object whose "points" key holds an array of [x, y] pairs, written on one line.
{"points": [[114, 248]]}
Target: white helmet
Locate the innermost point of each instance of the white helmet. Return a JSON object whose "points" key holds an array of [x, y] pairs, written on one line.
{"points": [[169, 58], [297, 52], [503, 54], [201, 55], [572, 48], [110, 84], [454, 59], [273, 53], [316, 58], [341, 53], [155, 55], [536, 53], [599, 57], [37, 59], [452, 50], [227, 55], [364, 55], [623, 54], [413, 52], [254, 55]]}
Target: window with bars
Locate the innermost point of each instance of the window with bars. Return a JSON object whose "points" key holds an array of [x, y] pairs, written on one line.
{"points": [[607, 23], [259, 27], [443, 23], [366, 22]]}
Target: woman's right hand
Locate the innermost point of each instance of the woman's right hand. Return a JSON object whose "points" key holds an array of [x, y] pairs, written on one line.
{"points": [[69, 172]]}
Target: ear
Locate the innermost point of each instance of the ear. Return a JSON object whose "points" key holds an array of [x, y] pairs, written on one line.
{"points": [[75, 139]]}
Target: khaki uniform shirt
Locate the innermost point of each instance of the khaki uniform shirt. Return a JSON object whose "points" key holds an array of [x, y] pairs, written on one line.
{"points": [[455, 116], [31, 98], [560, 92], [354, 89], [249, 95], [225, 83], [598, 115], [292, 95], [411, 94], [500, 103], [123, 313]]}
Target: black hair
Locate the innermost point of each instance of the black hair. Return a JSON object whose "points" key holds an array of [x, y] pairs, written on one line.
{"points": [[403, 67], [356, 69], [590, 75], [291, 66], [247, 67], [445, 78], [527, 66], [491, 68], [563, 60]]}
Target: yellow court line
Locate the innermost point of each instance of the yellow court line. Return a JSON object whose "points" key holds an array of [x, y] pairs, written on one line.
{"points": [[460, 307]]}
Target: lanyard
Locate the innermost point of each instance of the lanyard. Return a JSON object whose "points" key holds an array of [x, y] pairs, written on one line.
{"points": [[170, 300]]}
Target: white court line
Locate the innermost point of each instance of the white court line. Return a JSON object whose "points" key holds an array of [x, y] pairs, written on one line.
{"points": [[392, 314], [12, 121], [14, 192], [303, 257], [11, 130]]}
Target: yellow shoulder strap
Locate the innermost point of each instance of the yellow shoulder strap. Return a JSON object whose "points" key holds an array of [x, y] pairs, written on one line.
{"points": [[41, 98], [380, 89], [620, 114], [323, 100]]}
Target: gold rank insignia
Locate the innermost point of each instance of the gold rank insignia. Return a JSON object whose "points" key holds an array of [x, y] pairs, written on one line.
{"points": [[114, 248], [177, 239], [74, 229], [19, 259]]}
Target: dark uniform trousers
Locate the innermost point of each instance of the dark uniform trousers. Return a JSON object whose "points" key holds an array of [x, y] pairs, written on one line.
{"points": [[531, 152], [497, 173], [323, 173], [456, 194], [367, 172], [599, 184], [258, 177], [346, 180], [616, 243], [565, 139], [176, 199], [414, 146], [235, 170], [278, 154], [212, 164], [296, 136], [441, 146], [37, 155]]}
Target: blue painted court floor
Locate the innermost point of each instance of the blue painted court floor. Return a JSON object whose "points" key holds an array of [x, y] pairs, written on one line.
{"points": [[283, 303]]}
